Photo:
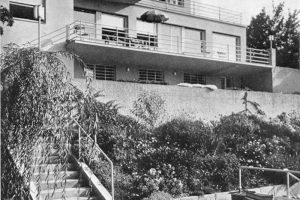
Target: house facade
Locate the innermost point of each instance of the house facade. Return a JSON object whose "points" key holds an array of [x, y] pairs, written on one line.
{"points": [[198, 44]]}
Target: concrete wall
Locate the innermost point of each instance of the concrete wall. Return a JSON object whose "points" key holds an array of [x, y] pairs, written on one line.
{"points": [[286, 80], [171, 77], [195, 102], [58, 14]]}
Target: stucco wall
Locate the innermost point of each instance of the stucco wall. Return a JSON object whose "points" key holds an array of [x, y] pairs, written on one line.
{"points": [[58, 14], [286, 80], [195, 102]]}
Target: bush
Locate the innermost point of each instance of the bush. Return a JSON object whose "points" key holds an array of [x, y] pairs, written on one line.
{"points": [[159, 196]]}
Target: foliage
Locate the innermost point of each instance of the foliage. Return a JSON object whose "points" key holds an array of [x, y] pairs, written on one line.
{"points": [[159, 196], [286, 34], [5, 17], [148, 108], [35, 99]]}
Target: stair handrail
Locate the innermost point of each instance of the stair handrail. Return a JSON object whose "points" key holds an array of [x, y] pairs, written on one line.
{"points": [[287, 171], [99, 149]]}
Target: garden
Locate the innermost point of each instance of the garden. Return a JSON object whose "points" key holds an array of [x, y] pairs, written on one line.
{"points": [[154, 159]]}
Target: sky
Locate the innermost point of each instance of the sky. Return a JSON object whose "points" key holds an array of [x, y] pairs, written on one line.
{"points": [[251, 8]]}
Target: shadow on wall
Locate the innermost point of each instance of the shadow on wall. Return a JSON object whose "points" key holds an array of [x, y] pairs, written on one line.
{"points": [[286, 80]]}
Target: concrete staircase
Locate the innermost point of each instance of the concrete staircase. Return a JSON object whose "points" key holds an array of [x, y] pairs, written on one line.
{"points": [[55, 178]]}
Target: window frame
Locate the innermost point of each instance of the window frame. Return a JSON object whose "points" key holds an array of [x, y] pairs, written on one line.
{"points": [[30, 6], [159, 77], [106, 68], [200, 79]]}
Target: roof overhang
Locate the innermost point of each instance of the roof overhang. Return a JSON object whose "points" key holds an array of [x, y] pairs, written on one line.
{"points": [[122, 56]]}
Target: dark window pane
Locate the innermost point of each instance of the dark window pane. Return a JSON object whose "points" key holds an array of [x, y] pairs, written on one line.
{"points": [[22, 11]]}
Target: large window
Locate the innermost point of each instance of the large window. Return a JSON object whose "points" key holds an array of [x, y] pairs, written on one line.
{"points": [[26, 11], [194, 78], [152, 76], [194, 41], [113, 27], [226, 47], [102, 72], [147, 33]]}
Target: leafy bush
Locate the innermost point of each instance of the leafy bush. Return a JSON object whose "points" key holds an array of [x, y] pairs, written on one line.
{"points": [[159, 196], [148, 108]]}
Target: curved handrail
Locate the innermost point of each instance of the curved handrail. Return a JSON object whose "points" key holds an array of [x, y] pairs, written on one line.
{"points": [[99, 149]]}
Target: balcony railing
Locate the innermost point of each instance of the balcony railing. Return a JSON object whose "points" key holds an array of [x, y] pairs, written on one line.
{"points": [[133, 39], [195, 8]]}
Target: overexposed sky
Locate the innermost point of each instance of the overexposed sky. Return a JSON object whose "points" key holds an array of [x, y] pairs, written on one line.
{"points": [[251, 8]]}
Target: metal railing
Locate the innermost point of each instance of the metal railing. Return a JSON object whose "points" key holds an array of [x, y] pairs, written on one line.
{"points": [[289, 173], [130, 38], [96, 146], [195, 8]]}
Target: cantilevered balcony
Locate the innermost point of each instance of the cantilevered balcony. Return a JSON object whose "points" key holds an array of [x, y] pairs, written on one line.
{"points": [[195, 8], [113, 37]]}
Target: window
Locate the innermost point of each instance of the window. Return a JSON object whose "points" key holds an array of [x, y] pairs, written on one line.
{"points": [[102, 72], [226, 83], [113, 26], [174, 2], [194, 41], [147, 33], [194, 78], [226, 47], [148, 75], [26, 11]]}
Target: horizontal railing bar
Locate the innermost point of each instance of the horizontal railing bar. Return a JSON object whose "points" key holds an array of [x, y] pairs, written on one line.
{"points": [[270, 169]]}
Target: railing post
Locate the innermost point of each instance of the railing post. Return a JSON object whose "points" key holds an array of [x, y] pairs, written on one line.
{"points": [[94, 73], [219, 13], [240, 179], [288, 184], [112, 182], [79, 142], [67, 32], [117, 36], [80, 26], [250, 53], [149, 41]]}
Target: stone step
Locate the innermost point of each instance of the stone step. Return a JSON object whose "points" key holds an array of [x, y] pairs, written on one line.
{"points": [[51, 159], [64, 193], [58, 184], [52, 167], [61, 175], [79, 198]]}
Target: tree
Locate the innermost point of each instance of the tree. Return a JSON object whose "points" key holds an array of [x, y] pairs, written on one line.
{"points": [[5, 17], [286, 33]]}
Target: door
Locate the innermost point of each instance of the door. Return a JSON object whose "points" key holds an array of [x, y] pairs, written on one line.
{"points": [[193, 41]]}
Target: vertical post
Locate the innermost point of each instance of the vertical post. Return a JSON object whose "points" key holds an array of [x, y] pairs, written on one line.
{"points": [[250, 53], [288, 184], [94, 74], [39, 27], [240, 179], [80, 26], [67, 32], [117, 36], [149, 40], [79, 143], [219, 13], [227, 51], [112, 182]]}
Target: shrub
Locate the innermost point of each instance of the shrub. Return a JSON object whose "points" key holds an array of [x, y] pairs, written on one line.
{"points": [[159, 196], [148, 108]]}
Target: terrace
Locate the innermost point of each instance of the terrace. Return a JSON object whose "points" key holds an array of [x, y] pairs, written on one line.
{"points": [[124, 38], [195, 8]]}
